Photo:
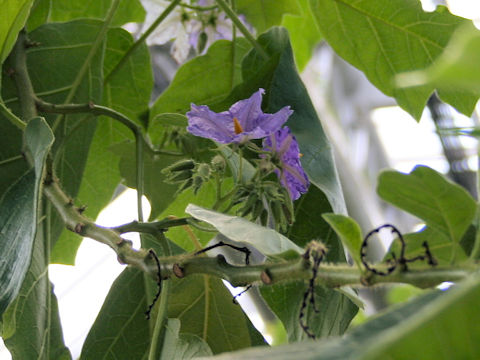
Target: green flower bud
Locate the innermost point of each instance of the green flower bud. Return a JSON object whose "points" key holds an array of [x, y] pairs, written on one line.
{"points": [[218, 163], [204, 170], [187, 164]]}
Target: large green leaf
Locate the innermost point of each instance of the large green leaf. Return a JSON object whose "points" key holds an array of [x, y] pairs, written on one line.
{"points": [[14, 16], [456, 67], [304, 33], [19, 214], [127, 91], [387, 37], [120, 330], [205, 308], [205, 79], [66, 10], [266, 240], [178, 346], [433, 326], [263, 14], [445, 207]]}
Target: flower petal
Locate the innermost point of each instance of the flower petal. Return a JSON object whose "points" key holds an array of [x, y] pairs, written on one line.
{"points": [[211, 125], [248, 111], [292, 176], [273, 122]]}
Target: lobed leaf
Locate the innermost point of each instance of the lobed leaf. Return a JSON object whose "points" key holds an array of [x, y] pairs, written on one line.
{"points": [[445, 207], [385, 38], [456, 67]]}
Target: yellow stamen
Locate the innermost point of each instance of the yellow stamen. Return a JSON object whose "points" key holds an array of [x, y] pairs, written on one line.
{"points": [[237, 127], [300, 154]]}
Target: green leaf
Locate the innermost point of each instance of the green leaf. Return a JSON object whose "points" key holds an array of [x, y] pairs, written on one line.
{"points": [[203, 80], [120, 330], [263, 14], [335, 310], [304, 33], [31, 324], [445, 207], [266, 240], [205, 308], [178, 346], [12, 162], [349, 232], [67, 10], [128, 92], [455, 67], [387, 37], [18, 214], [14, 16]]}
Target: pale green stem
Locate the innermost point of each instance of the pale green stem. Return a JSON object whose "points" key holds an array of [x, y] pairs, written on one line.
{"points": [[161, 321], [141, 39], [243, 29], [162, 314]]}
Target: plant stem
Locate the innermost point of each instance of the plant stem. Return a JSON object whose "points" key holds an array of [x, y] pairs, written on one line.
{"points": [[162, 314], [243, 29], [140, 40], [160, 322], [22, 80], [12, 117]]}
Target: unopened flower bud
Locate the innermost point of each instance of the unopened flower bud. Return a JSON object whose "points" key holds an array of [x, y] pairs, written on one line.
{"points": [[218, 163]]}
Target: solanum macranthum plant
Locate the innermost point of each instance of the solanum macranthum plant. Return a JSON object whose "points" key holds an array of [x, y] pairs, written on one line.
{"points": [[232, 152]]}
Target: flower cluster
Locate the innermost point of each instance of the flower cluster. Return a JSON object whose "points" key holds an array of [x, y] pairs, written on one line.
{"points": [[193, 24], [245, 121]]}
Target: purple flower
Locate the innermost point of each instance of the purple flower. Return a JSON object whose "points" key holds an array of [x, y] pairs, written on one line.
{"points": [[286, 155], [244, 120]]}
